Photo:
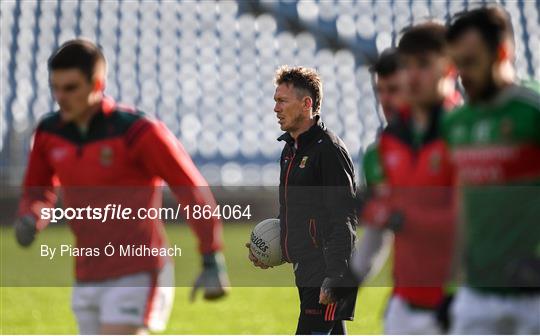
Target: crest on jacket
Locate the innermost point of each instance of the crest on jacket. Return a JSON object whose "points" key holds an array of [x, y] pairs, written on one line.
{"points": [[303, 162], [106, 156]]}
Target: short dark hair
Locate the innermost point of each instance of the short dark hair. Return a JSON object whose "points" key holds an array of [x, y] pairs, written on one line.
{"points": [[79, 54], [387, 63], [492, 22], [302, 78], [428, 36]]}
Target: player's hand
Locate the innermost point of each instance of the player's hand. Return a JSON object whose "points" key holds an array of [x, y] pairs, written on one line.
{"points": [[25, 230], [379, 214], [327, 294], [395, 221], [443, 312], [213, 278], [254, 259], [376, 213]]}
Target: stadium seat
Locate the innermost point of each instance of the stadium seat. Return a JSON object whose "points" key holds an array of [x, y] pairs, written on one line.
{"points": [[205, 68]]}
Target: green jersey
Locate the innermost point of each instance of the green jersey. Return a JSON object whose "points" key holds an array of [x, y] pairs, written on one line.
{"points": [[496, 151], [372, 167]]}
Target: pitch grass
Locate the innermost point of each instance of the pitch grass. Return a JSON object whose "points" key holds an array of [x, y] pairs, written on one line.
{"points": [[247, 310]]}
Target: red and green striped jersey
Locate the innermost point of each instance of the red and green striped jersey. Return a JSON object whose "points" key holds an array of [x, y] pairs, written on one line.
{"points": [[496, 150]]}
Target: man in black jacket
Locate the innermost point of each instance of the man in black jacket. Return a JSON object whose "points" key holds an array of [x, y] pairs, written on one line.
{"points": [[316, 195]]}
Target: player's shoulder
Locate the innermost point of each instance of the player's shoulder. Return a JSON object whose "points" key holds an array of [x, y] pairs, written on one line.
{"points": [[527, 93], [124, 116], [531, 84], [49, 122], [458, 113], [371, 164], [134, 123], [371, 151]]}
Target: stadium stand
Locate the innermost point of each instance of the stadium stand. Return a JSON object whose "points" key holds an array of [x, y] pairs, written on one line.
{"points": [[205, 68]]}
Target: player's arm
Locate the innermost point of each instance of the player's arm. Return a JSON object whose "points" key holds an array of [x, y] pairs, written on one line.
{"points": [[38, 193], [374, 247], [371, 253], [375, 208], [162, 155]]}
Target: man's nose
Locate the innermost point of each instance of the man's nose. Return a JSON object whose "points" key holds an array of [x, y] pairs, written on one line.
{"points": [[413, 76], [59, 97]]}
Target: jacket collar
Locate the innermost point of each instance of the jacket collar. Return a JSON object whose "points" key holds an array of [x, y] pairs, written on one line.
{"points": [[307, 137], [107, 106], [402, 126]]}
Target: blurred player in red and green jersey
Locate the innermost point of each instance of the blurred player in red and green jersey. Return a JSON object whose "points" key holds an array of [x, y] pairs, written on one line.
{"points": [[412, 175], [102, 153], [495, 141]]}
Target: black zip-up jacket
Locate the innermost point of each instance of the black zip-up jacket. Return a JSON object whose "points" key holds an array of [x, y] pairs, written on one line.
{"points": [[316, 197]]}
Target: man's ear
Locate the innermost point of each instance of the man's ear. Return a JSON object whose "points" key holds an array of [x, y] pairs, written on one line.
{"points": [[450, 70], [503, 52], [308, 102], [99, 84]]}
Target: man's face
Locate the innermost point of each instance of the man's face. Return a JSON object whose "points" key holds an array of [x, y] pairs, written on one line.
{"points": [[289, 108], [390, 90], [424, 73], [474, 64], [72, 91]]}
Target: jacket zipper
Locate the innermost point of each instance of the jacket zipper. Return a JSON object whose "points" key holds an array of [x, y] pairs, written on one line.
{"points": [[80, 144], [286, 207]]}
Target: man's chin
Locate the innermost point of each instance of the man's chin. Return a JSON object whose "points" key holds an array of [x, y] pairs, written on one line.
{"points": [[66, 116], [473, 95], [473, 98], [479, 93]]}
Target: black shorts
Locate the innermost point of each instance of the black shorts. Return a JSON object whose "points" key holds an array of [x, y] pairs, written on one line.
{"points": [[316, 318]]}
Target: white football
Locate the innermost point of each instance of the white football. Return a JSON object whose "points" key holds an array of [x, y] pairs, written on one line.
{"points": [[266, 242]]}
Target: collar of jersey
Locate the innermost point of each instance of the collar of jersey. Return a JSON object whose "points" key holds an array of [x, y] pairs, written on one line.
{"points": [[307, 137]]}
